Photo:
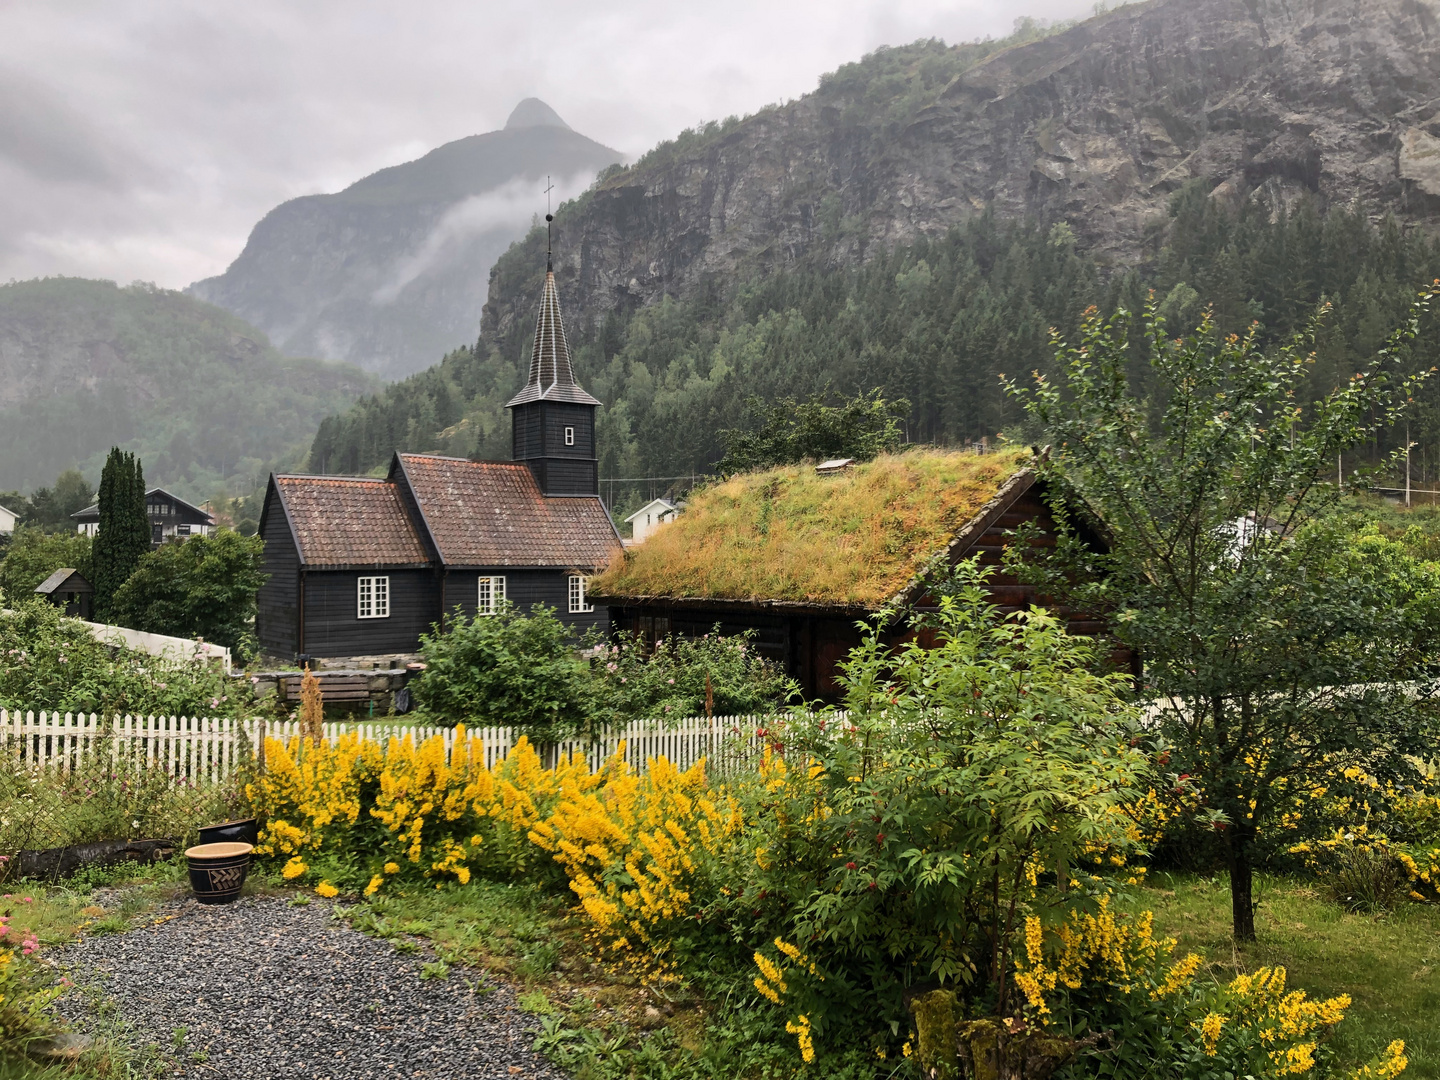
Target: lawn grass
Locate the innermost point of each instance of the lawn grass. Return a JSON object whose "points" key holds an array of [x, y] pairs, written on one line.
{"points": [[1389, 965]]}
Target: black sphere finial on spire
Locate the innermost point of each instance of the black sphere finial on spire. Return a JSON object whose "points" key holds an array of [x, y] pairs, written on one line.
{"points": [[549, 217]]}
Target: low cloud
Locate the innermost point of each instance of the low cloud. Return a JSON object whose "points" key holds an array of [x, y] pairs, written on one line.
{"points": [[507, 208], [142, 139]]}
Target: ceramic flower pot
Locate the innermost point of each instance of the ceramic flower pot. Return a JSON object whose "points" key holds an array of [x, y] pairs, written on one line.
{"points": [[217, 871], [240, 831]]}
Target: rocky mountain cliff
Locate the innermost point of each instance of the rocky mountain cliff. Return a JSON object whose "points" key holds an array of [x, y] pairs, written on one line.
{"points": [[390, 273], [1097, 126]]}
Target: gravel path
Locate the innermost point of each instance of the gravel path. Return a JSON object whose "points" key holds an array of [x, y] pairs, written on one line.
{"points": [[266, 990]]}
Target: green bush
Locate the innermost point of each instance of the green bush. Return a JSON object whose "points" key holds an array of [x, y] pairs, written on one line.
{"points": [[970, 784], [669, 681], [53, 663], [203, 587], [508, 669], [34, 555]]}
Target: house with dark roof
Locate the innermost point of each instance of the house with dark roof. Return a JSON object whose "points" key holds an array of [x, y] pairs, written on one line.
{"points": [[362, 566], [800, 555], [171, 518]]}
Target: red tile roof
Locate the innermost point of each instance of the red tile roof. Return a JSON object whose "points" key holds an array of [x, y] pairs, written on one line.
{"points": [[492, 513], [350, 521]]}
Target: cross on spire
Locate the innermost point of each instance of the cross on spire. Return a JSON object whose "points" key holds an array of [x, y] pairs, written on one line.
{"points": [[549, 217]]}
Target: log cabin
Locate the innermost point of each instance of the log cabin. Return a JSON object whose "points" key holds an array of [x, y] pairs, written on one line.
{"points": [[803, 558], [363, 566]]}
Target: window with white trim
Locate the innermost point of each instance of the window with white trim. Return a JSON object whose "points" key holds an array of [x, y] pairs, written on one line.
{"points": [[569, 436], [374, 598], [492, 595], [578, 606]]}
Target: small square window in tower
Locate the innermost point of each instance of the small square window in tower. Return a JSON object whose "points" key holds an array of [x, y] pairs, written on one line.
{"points": [[578, 606], [491, 595]]}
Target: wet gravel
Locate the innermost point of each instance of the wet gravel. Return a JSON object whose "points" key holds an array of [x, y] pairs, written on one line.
{"points": [[265, 990]]}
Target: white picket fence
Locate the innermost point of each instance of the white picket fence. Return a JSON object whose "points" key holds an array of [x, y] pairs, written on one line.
{"points": [[209, 749]]}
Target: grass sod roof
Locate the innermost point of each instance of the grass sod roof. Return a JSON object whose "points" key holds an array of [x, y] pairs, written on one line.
{"points": [[848, 540]]}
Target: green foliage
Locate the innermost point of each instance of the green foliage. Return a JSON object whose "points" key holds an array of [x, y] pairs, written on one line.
{"points": [[934, 323], [678, 676], [789, 431], [34, 555], [198, 393], [906, 853], [509, 669], [124, 533], [53, 663], [524, 670], [50, 508], [203, 587], [1249, 601]]}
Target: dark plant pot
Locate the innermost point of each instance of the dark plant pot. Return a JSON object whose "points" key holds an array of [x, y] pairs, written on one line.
{"points": [[217, 871], [240, 831]]}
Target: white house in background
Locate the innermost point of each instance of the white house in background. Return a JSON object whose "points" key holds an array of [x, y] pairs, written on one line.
{"points": [[170, 518], [650, 517], [8, 520]]}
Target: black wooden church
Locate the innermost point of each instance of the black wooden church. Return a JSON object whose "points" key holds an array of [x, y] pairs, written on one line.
{"points": [[362, 566]]}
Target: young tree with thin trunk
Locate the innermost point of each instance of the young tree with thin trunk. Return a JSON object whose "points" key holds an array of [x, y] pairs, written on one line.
{"points": [[1277, 646]]}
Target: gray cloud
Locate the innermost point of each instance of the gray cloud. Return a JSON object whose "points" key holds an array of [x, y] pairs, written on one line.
{"points": [[141, 139]]}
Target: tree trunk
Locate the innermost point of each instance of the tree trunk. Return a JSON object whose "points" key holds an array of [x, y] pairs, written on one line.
{"points": [[1242, 885]]}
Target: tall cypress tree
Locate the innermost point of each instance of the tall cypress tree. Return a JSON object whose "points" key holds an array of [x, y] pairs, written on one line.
{"points": [[124, 527]]}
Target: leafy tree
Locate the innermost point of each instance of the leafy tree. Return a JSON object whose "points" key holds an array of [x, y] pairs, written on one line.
{"points": [[791, 431], [508, 669], [35, 555], [202, 587], [124, 534], [51, 508], [1276, 653]]}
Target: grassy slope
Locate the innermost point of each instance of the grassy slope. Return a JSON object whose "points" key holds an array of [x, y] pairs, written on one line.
{"points": [[789, 534], [1389, 965]]}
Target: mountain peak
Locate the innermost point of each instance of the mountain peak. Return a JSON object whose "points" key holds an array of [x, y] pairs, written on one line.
{"points": [[532, 112]]}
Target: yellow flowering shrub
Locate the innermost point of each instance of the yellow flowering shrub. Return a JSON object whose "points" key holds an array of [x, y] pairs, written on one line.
{"points": [[629, 845], [1102, 971]]}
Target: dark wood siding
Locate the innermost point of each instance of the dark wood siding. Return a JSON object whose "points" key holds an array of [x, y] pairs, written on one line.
{"points": [[525, 431], [557, 417], [278, 611], [524, 589], [333, 626]]}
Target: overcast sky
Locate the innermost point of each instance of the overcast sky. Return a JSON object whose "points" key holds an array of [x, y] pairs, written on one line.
{"points": [[141, 139]]}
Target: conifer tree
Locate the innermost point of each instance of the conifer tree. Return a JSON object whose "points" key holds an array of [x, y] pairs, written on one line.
{"points": [[124, 533]]}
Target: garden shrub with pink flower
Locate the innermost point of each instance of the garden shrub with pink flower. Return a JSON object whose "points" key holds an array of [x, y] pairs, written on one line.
{"points": [[928, 880]]}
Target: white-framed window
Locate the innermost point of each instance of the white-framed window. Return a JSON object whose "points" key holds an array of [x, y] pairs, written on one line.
{"points": [[182, 530], [374, 598], [492, 595], [578, 606], [569, 436]]}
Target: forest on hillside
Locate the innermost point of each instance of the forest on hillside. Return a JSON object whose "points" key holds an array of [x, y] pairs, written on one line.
{"points": [[202, 396], [936, 323]]}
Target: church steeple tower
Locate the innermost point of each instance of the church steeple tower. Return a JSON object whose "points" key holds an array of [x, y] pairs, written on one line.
{"points": [[552, 419]]}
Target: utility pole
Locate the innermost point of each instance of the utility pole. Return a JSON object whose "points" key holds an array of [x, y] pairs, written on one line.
{"points": [[1407, 464]]}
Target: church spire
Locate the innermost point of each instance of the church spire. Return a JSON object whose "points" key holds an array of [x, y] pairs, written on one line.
{"points": [[551, 376]]}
